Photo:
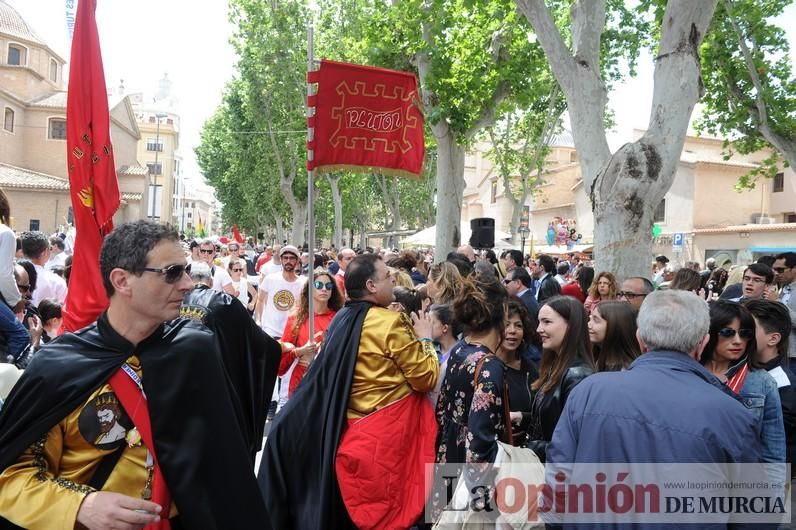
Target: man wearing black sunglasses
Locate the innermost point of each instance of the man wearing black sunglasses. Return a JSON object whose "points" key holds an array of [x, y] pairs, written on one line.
{"points": [[168, 386]]}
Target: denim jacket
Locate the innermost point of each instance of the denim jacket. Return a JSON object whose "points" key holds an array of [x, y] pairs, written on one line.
{"points": [[759, 394]]}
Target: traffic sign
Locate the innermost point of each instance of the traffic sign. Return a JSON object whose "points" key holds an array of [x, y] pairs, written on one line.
{"points": [[678, 240]]}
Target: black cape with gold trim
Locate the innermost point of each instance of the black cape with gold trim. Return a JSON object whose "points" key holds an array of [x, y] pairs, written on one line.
{"points": [[251, 357], [207, 464], [297, 471]]}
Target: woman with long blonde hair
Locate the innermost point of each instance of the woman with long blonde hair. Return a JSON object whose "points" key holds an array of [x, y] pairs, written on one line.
{"points": [[604, 288], [444, 280]]}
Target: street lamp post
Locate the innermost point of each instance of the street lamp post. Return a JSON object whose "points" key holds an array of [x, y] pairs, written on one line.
{"points": [[524, 231]]}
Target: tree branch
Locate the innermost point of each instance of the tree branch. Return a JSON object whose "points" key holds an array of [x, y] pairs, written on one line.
{"points": [[750, 65], [677, 82], [488, 116], [579, 79], [505, 171], [785, 145], [588, 23], [561, 60]]}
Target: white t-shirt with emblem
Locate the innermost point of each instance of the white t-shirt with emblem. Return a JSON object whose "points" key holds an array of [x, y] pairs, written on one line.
{"points": [[282, 297]]}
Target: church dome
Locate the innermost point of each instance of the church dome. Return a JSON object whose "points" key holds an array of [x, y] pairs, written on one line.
{"points": [[13, 25]]}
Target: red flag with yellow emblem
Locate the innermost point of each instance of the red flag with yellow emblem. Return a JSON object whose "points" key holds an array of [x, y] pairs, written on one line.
{"points": [[92, 173]]}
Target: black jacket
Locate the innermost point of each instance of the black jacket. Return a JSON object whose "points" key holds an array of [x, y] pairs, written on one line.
{"points": [[547, 409], [787, 397], [530, 302], [548, 288], [250, 356], [194, 412]]}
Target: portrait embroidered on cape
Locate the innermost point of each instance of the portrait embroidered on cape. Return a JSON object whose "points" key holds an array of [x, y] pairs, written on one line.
{"points": [[103, 422]]}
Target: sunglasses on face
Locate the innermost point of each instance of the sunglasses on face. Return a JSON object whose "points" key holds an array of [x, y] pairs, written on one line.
{"points": [[507, 281], [629, 296], [320, 285], [207, 251], [237, 270], [729, 333], [171, 274], [779, 270]]}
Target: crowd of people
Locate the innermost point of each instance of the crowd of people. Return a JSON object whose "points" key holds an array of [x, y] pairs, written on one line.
{"points": [[409, 362]]}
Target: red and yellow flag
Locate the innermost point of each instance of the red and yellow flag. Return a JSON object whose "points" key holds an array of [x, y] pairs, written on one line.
{"points": [[366, 118], [92, 173]]}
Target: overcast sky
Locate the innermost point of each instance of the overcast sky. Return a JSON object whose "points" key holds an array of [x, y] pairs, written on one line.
{"points": [[189, 39]]}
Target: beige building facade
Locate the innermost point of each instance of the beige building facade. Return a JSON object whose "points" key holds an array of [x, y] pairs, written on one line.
{"points": [[702, 205], [33, 170], [157, 150]]}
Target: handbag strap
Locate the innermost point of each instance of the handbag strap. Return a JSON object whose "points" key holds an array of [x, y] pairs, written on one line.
{"points": [[506, 411]]}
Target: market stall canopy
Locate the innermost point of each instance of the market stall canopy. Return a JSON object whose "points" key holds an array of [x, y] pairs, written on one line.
{"points": [[427, 236]]}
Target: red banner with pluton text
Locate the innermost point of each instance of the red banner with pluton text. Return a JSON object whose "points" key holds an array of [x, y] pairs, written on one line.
{"points": [[366, 120]]}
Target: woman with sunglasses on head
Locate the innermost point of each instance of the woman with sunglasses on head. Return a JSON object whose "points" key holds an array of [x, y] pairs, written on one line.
{"points": [[566, 361], [612, 331], [520, 345], [729, 355], [298, 347], [243, 289]]}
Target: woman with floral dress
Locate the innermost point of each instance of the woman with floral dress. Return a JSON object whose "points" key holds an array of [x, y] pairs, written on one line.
{"points": [[470, 413]]}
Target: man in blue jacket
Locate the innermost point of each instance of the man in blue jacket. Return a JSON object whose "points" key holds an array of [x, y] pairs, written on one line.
{"points": [[665, 408]]}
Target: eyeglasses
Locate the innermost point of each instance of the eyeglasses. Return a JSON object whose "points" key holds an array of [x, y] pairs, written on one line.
{"points": [[630, 296], [729, 333], [23, 288], [320, 285], [207, 251], [171, 274], [755, 279], [779, 270]]}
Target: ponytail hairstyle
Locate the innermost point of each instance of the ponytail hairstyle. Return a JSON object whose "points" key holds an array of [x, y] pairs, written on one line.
{"points": [[576, 344], [444, 313], [480, 305]]}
